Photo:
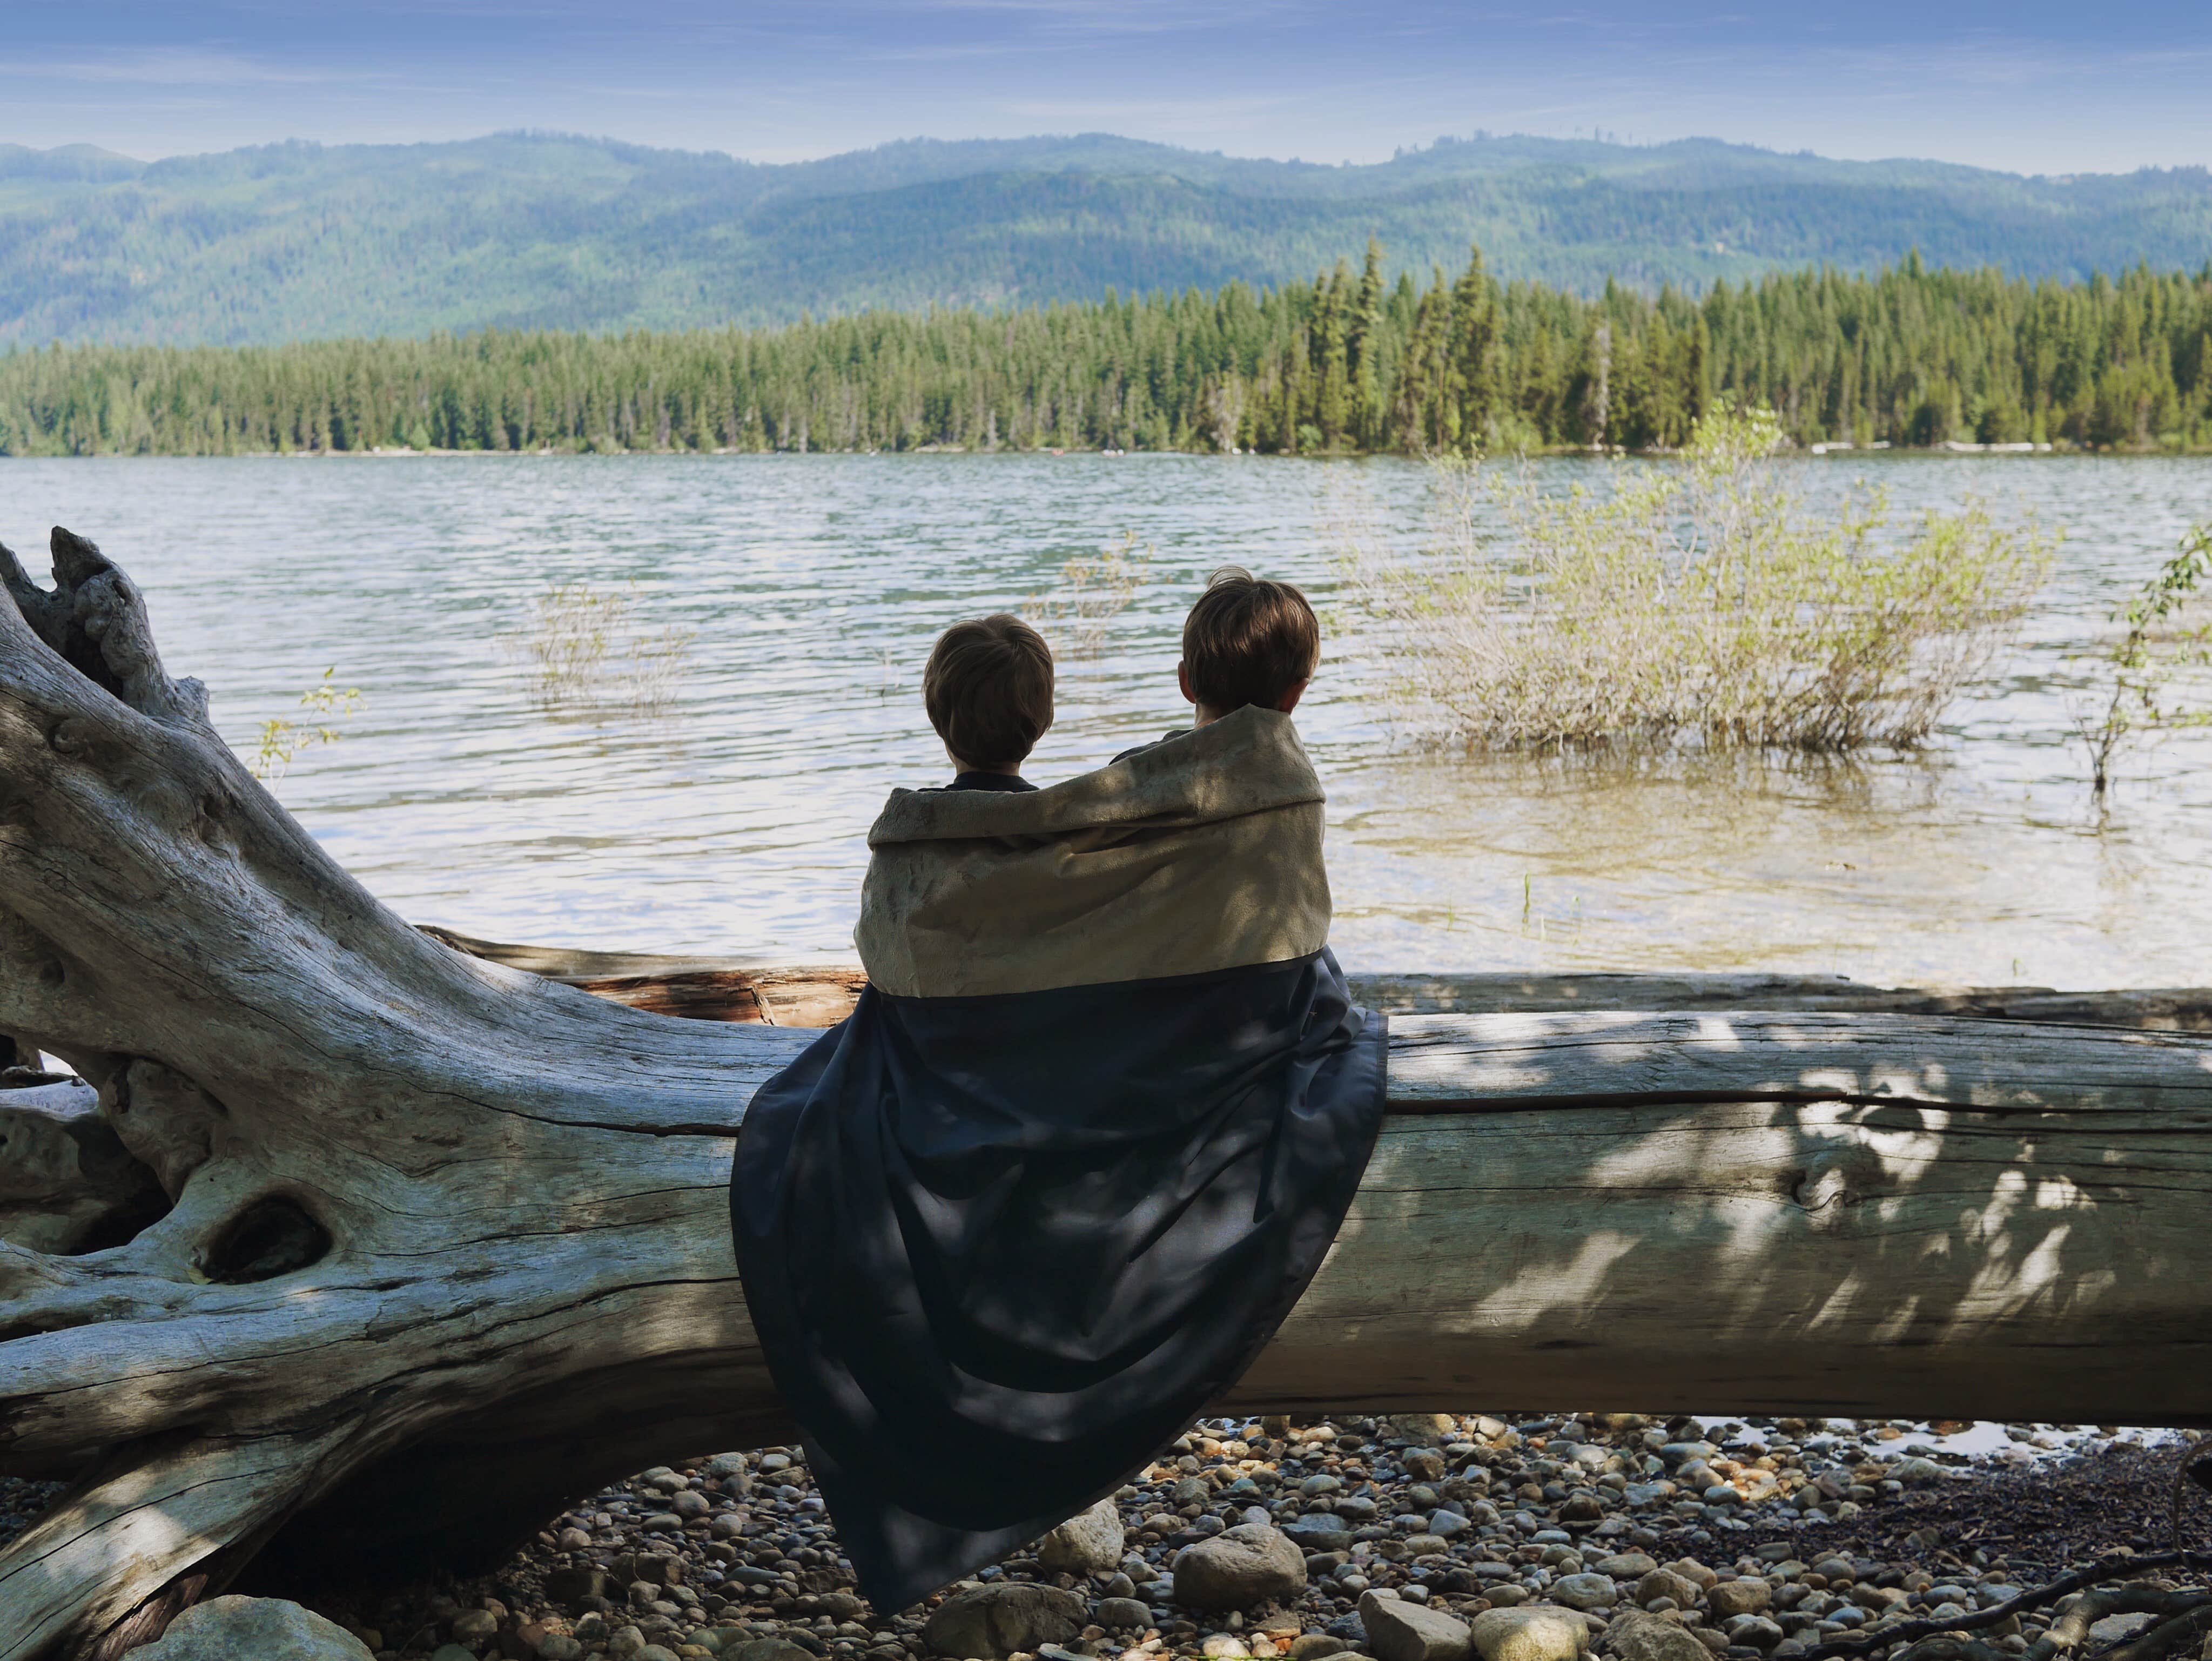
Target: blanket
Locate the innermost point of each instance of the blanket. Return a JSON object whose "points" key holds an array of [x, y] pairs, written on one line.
{"points": [[1086, 1136]]}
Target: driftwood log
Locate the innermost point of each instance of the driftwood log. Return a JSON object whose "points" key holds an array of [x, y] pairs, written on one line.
{"points": [[352, 1236], [821, 994]]}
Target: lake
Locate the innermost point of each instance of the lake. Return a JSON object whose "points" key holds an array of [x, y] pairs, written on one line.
{"points": [[730, 818]]}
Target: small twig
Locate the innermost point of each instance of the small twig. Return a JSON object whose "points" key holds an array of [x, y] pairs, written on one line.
{"points": [[2196, 1466], [1905, 1632]]}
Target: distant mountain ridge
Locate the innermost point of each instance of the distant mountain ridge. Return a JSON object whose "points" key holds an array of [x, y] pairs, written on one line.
{"points": [[549, 230]]}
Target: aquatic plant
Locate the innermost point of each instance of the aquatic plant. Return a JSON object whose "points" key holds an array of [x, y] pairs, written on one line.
{"points": [[2163, 641], [587, 653], [1093, 590], [281, 739], [1701, 600]]}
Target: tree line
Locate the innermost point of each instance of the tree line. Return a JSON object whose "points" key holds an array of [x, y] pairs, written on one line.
{"points": [[1909, 355]]}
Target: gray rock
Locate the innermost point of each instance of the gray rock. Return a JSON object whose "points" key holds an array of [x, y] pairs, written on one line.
{"points": [[1538, 1631], [650, 1653], [1729, 1598], [1640, 1637], [559, 1646], [767, 1649], [992, 1622], [1240, 1567], [1398, 1630], [1316, 1647], [1917, 1472], [1585, 1591], [1664, 1582], [1628, 1566], [1448, 1524], [1318, 1533], [1121, 1614], [1690, 1568], [266, 1628], [452, 1652], [1087, 1543], [1755, 1630]]}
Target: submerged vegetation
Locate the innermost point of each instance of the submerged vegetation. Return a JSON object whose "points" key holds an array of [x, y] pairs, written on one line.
{"points": [[1702, 602], [1908, 355], [588, 654], [1077, 614]]}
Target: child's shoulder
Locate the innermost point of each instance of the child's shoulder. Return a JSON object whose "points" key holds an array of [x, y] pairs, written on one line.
{"points": [[1140, 749]]}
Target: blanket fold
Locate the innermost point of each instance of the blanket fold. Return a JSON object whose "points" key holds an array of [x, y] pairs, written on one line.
{"points": [[1085, 1138]]}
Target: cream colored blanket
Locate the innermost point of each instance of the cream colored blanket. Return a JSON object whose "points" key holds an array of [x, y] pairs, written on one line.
{"points": [[1201, 852]]}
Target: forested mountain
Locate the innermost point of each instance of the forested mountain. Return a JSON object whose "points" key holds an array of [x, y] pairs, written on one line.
{"points": [[299, 241], [1346, 362]]}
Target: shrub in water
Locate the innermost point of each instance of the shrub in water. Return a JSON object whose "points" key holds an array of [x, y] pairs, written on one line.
{"points": [[1700, 600]]}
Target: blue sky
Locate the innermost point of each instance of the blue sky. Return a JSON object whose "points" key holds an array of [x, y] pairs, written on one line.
{"points": [[2031, 85]]}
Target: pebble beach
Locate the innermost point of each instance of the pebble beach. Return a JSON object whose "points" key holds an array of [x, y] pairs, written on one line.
{"points": [[1421, 1537]]}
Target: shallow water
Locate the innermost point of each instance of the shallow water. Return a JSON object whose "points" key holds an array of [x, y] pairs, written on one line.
{"points": [[732, 820]]}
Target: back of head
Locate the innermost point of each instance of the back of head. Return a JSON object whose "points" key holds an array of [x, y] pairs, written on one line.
{"points": [[988, 690], [1248, 641]]}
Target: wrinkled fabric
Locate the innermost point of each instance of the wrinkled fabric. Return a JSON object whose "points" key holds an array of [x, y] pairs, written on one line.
{"points": [[1000, 1247], [1202, 852]]}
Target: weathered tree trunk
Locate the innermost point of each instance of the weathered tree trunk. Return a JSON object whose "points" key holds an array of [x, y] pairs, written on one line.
{"points": [[708, 988], [424, 1246]]}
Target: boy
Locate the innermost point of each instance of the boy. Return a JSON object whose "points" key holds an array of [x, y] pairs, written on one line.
{"points": [[988, 691], [1247, 641]]}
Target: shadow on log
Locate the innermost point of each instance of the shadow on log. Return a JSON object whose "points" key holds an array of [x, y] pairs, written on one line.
{"points": [[440, 1244]]}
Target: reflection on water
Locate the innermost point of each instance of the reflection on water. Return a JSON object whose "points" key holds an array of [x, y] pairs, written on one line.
{"points": [[733, 820]]}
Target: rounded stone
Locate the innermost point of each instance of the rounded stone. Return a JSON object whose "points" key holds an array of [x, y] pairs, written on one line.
{"points": [[224, 1628], [1087, 1543], [992, 1622], [1239, 1568], [1585, 1591], [1540, 1632], [1122, 1614], [1729, 1598]]}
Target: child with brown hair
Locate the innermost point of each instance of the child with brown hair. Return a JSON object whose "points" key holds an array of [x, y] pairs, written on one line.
{"points": [[988, 691], [1248, 642]]}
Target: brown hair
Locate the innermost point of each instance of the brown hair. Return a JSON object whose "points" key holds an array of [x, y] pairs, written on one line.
{"points": [[1248, 641], [988, 690]]}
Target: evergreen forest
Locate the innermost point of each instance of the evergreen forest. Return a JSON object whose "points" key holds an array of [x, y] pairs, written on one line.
{"points": [[1351, 361]]}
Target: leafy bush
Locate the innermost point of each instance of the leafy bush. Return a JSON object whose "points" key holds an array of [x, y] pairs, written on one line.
{"points": [[1703, 599]]}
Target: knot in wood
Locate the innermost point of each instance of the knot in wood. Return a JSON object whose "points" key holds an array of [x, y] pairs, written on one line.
{"points": [[73, 737]]}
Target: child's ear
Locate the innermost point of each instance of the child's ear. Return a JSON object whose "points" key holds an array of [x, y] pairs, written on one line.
{"points": [[1183, 680], [1289, 699]]}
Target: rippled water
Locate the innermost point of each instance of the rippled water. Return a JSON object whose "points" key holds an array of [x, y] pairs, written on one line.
{"points": [[732, 821]]}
